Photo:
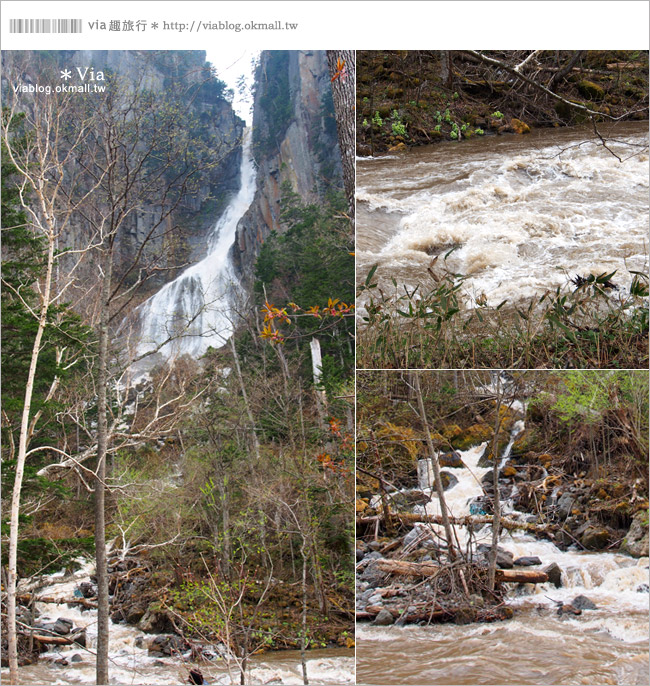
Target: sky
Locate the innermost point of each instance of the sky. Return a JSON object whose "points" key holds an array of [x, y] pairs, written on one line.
{"points": [[230, 66]]}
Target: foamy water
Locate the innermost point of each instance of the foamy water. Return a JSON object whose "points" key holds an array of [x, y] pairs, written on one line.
{"points": [[523, 213]]}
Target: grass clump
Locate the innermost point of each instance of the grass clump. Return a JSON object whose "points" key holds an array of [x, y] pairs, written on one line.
{"points": [[585, 324]]}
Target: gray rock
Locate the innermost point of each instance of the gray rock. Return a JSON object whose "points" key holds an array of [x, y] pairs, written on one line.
{"points": [[564, 505], [635, 542], [505, 559], [527, 561], [375, 545], [373, 575], [554, 574], [62, 626], [581, 602], [643, 588], [76, 658], [374, 555], [360, 554], [374, 599], [384, 618], [166, 645]]}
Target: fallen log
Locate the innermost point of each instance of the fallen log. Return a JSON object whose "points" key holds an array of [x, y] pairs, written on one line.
{"points": [[53, 640], [430, 569], [27, 598], [408, 568], [469, 520], [521, 576]]}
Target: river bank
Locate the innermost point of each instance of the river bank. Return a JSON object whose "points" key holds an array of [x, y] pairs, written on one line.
{"points": [[412, 98], [481, 254], [152, 649]]}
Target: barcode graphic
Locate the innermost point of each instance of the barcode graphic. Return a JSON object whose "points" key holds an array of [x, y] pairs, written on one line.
{"points": [[45, 25]]}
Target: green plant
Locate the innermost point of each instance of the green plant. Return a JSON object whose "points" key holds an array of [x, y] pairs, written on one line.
{"points": [[377, 120], [399, 129], [497, 115], [479, 131], [365, 124]]}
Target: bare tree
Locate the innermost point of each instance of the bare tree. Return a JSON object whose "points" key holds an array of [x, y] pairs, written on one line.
{"points": [[433, 455], [45, 175]]}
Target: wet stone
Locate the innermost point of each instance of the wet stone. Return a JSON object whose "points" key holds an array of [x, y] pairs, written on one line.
{"points": [[581, 602], [384, 618], [527, 561], [554, 574], [76, 658]]}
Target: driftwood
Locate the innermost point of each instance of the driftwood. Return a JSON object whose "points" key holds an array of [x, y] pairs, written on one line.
{"points": [[521, 576], [469, 520], [27, 598], [55, 640], [430, 569]]}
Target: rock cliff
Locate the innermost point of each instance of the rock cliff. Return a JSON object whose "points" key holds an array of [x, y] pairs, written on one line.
{"points": [[295, 144]]}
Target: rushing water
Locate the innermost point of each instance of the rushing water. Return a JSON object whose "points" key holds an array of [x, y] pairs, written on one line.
{"points": [[608, 645], [130, 663], [523, 212], [196, 307]]}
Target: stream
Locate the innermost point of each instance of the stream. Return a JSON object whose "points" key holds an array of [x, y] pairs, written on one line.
{"points": [[522, 213], [606, 645], [131, 663]]}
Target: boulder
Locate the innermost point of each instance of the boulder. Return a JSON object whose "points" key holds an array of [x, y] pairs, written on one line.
{"points": [[527, 561], [87, 589], [635, 542], [373, 575], [62, 626], [590, 90], [581, 602], [166, 645], [564, 505], [76, 658], [554, 574], [448, 480], [451, 460], [384, 618], [595, 538], [505, 559], [519, 126]]}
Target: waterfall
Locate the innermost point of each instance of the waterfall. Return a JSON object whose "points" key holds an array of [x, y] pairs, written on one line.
{"points": [[194, 310]]}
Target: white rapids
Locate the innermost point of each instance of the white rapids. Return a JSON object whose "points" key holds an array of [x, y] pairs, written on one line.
{"points": [[522, 214]]}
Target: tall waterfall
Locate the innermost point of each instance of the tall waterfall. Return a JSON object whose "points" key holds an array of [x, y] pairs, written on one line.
{"points": [[194, 310]]}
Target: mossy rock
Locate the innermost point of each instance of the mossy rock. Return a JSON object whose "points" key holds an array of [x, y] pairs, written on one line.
{"points": [[487, 457], [595, 538], [591, 90], [509, 471], [361, 505], [519, 126], [570, 114], [524, 443], [398, 147], [451, 460], [451, 431], [475, 434]]}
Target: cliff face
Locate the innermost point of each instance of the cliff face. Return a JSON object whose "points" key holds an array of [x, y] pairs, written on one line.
{"points": [[295, 144], [183, 237]]}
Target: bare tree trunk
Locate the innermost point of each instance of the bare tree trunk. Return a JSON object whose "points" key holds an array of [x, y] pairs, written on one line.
{"points": [[449, 535], [303, 637], [251, 419], [12, 567], [342, 68], [100, 480], [446, 69], [496, 503], [321, 399]]}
